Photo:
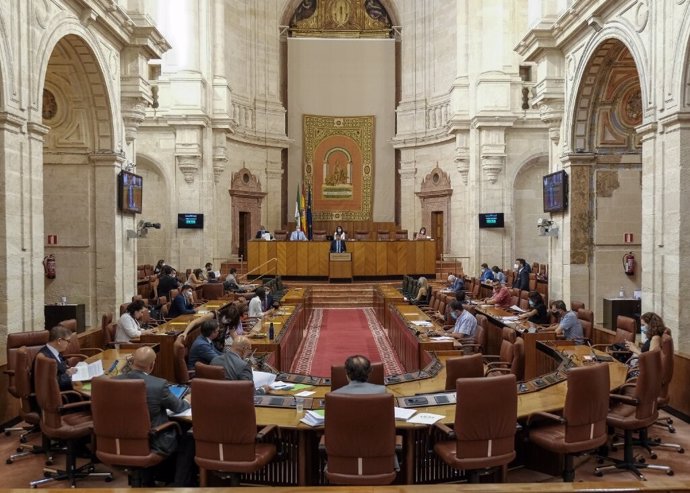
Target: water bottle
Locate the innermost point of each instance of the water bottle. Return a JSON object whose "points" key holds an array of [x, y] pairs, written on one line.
{"points": [[621, 293], [270, 331]]}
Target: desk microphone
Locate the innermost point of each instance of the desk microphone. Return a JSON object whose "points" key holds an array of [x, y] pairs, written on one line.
{"points": [[113, 366]]}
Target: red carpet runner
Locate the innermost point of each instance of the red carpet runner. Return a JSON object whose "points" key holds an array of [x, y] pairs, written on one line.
{"points": [[333, 334]]}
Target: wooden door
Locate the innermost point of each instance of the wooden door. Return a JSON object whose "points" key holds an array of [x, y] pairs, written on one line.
{"points": [[245, 233], [437, 232]]}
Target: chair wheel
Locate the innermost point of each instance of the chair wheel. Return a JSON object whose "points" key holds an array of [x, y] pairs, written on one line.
{"points": [[23, 439], [681, 450], [108, 479], [598, 474], [9, 461], [600, 460], [7, 433], [19, 450], [641, 460], [653, 456], [670, 473], [46, 474], [50, 462]]}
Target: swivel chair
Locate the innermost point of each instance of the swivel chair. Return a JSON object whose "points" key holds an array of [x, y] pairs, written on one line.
{"points": [[463, 367], [211, 372]]}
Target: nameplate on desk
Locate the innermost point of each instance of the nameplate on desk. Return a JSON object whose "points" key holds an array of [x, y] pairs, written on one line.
{"points": [[439, 399], [341, 257]]}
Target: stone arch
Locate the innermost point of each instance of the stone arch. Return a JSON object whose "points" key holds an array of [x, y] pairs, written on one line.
{"points": [[576, 75], [6, 65], [67, 30], [608, 103], [527, 208], [434, 195], [291, 6], [246, 197], [681, 63]]}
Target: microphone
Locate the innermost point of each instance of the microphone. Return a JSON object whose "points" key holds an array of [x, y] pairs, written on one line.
{"points": [[113, 366]]}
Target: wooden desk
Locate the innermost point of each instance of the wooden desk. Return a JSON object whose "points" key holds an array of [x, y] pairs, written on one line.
{"points": [[384, 296], [369, 258]]}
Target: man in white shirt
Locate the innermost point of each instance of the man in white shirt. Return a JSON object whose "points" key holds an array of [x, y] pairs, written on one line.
{"points": [[298, 235], [465, 324]]}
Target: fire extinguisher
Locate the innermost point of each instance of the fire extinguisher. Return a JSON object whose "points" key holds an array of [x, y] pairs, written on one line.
{"points": [[49, 266], [629, 264]]}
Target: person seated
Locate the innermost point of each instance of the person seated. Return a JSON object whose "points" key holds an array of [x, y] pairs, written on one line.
{"points": [[422, 292], [569, 326], [182, 304], [422, 234], [465, 327], [499, 275], [178, 448], [167, 282], [203, 349], [298, 234], [128, 327], [455, 284], [235, 362], [501, 296], [338, 243], [209, 268], [339, 234], [537, 313], [262, 231], [196, 278], [260, 304], [358, 368], [158, 269], [211, 277], [486, 274], [652, 329], [58, 342]]}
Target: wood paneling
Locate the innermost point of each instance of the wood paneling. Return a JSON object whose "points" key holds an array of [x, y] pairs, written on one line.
{"points": [[369, 258]]}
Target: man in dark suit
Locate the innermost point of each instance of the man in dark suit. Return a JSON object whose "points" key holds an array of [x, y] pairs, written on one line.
{"points": [[338, 246], [234, 362], [203, 349], [521, 280], [159, 399], [182, 304], [58, 340]]}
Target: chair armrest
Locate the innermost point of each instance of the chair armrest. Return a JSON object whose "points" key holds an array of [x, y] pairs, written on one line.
{"points": [[498, 364], [503, 371], [165, 426], [71, 406], [90, 351], [265, 431], [78, 356], [65, 394], [449, 433], [490, 357], [545, 415], [625, 399], [9, 372]]}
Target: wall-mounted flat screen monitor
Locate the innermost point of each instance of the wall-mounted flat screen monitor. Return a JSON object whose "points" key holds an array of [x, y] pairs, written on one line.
{"points": [[189, 220], [555, 190], [129, 192], [491, 220]]}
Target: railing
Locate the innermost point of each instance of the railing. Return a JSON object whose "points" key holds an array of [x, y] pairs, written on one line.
{"points": [[274, 260]]}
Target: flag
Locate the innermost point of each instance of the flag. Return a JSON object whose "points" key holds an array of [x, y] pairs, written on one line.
{"points": [[297, 213], [302, 211], [309, 223]]}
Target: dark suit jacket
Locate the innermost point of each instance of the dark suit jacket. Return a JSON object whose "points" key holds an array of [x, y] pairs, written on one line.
{"points": [[522, 279], [159, 398], [235, 367], [179, 306], [64, 380], [334, 246], [165, 284], [201, 350]]}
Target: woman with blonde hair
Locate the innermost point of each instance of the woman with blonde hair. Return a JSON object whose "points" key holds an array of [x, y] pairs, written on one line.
{"points": [[422, 292]]}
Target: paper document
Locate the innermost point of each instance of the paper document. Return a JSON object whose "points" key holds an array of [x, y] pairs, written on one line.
{"points": [[517, 309], [278, 385], [442, 338], [305, 393], [512, 318], [262, 378], [186, 412], [314, 418], [403, 414], [425, 418], [87, 371], [422, 323]]}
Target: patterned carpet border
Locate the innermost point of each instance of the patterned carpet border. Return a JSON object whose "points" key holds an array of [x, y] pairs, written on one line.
{"points": [[305, 355]]}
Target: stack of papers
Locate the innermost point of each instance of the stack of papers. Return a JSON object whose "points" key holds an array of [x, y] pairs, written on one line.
{"points": [[425, 418], [87, 371], [262, 378], [517, 309], [512, 318], [422, 323], [403, 414], [314, 418], [442, 338]]}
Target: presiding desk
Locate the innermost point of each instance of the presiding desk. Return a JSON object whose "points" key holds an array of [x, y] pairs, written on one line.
{"points": [[385, 258]]}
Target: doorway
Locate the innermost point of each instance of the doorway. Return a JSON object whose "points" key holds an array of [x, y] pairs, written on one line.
{"points": [[245, 229], [437, 232]]}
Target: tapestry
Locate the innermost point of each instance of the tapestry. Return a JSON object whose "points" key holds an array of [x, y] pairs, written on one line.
{"points": [[339, 166]]}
